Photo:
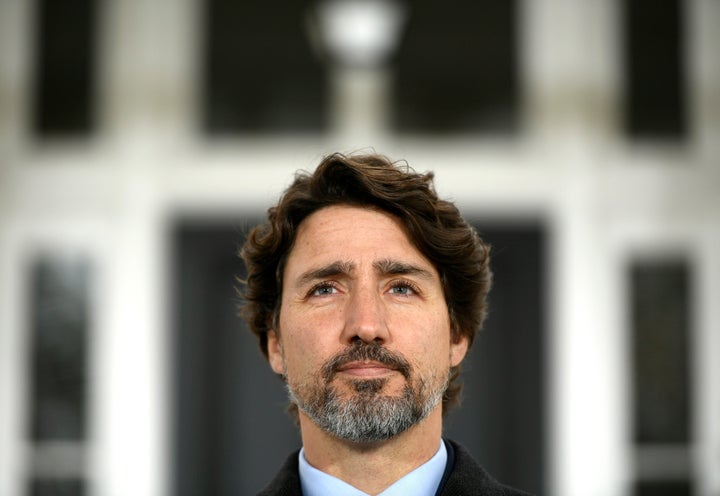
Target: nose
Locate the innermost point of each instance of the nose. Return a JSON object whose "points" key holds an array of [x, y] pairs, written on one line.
{"points": [[365, 318]]}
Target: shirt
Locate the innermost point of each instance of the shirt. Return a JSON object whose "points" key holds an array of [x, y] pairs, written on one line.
{"points": [[423, 481]]}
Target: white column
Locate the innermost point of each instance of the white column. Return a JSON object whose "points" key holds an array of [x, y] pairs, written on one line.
{"points": [[571, 97], [703, 34], [360, 105], [706, 366], [150, 68], [148, 110], [13, 366], [703, 68], [708, 390], [16, 64], [131, 422], [568, 67]]}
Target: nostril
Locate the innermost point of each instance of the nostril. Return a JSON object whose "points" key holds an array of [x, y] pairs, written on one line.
{"points": [[357, 338]]}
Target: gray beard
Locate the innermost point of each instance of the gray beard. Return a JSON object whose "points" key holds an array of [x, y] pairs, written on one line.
{"points": [[368, 415]]}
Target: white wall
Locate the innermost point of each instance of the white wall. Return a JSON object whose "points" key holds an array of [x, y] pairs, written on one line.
{"points": [[604, 199]]}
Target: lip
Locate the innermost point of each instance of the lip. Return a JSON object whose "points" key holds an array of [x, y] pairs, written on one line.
{"points": [[366, 369]]}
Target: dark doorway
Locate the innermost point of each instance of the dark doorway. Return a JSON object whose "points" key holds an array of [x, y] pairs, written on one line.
{"points": [[231, 433], [501, 418]]}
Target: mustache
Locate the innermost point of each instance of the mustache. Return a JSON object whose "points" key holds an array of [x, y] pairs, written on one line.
{"points": [[361, 351]]}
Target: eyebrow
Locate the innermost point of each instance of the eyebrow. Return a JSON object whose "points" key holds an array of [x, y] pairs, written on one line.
{"points": [[344, 268], [396, 267], [330, 270]]}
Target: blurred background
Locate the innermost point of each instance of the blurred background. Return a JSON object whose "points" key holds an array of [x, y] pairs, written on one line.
{"points": [[141, 139]]}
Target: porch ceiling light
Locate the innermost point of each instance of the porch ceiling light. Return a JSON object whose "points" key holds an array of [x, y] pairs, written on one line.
{"points": [[360, 33]]}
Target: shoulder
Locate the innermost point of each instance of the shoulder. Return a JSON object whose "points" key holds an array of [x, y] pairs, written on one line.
{"points": [[287, 480], [466, 477]]}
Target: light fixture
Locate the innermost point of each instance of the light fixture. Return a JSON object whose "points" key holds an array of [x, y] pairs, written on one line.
{"points": [[360, 33]]}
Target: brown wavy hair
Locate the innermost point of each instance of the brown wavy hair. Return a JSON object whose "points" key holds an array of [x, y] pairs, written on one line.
{"points": [[434, 226]]}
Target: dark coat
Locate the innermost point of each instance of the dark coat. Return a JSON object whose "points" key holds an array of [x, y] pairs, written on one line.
{"points": [[463, 477]]}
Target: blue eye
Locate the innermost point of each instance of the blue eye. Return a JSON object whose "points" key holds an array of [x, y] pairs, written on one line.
{"points": [[323, 289], [402, 289]]}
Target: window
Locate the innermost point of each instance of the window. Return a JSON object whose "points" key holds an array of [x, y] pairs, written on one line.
{"points": [[661, 376], [456, 70], [260, 73], [654, 69], [58, 375], [64, 91]]}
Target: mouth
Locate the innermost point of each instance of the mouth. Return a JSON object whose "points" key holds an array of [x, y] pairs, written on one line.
{"points": [[364, 360], [366, 369]]}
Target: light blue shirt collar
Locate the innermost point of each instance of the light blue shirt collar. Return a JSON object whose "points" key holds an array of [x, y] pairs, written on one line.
{"points": [[423, 481]]}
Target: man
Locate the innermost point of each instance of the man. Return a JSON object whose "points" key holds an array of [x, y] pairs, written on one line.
{"points": [[365, 291]]}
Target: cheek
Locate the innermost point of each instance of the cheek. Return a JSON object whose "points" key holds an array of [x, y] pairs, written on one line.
{"points": [[427, 337], [304, 354], [426, 356], [309, 337]]}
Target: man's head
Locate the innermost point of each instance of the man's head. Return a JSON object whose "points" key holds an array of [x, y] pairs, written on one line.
{"points": [[362, 276]]}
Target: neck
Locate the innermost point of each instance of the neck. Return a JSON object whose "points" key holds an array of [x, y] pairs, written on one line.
{"points": [[372, 467]]}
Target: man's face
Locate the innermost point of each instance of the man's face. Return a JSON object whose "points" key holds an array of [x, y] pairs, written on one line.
{"points": [[364, 330]]}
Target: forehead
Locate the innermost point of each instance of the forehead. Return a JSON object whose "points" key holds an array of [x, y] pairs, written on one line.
{"points": [[344, 232]]}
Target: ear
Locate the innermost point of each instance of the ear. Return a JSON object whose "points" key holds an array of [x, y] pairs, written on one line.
{"points": [[275, 353], [458, 350]]}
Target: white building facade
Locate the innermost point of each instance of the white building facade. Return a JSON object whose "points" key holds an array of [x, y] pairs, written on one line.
{"points": [[605, 199]]}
